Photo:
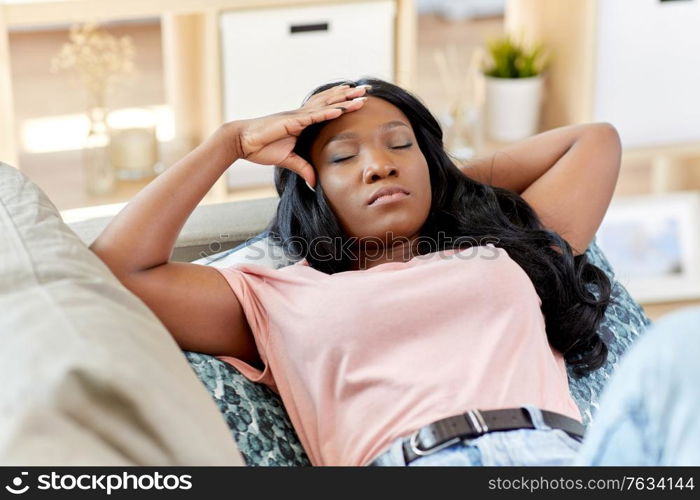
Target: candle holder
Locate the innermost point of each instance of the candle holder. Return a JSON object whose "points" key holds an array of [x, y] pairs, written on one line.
{"points": [[133, 147]]}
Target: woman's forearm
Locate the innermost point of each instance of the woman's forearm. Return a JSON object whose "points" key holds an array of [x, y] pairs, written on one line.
{"points": [[143, 234], [518, 166]]}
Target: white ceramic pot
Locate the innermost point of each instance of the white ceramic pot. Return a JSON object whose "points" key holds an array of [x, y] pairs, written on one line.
{"points": [[512, 107]]}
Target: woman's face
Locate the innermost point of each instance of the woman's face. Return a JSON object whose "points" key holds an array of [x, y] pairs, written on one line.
{"points": [[364, 151]]}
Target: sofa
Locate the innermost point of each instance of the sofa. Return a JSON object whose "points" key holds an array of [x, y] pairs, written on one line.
{"points": [[91, 376]]}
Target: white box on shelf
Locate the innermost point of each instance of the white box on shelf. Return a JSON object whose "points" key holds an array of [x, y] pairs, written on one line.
{"points": [[272, 58]]}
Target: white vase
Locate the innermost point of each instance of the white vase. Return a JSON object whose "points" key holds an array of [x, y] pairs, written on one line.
{"points": [[512, 107]]}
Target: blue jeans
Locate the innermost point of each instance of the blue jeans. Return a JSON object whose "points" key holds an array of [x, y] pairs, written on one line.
{"points": [[649, 414]]}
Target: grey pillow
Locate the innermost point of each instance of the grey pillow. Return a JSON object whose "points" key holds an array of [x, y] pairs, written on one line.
{"points": [[89, 374], [257, 417]]}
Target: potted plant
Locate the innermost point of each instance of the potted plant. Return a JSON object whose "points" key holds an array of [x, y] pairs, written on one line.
{"points": [[513, 76]]}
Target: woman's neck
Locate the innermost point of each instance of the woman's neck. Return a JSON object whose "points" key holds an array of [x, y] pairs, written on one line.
{"points": [[401, 251]]}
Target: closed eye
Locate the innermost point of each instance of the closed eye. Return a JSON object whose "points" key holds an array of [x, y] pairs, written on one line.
{"points": [[339, 160], [345, 158]]}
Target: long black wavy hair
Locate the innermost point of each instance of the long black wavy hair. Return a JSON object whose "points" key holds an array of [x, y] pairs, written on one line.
{"points": [[466, 210]]}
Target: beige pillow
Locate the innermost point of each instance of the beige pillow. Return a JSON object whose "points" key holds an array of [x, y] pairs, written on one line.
{"points": [[89, 375]]}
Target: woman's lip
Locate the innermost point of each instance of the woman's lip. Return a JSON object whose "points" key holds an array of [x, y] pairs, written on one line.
{"points": [[391, 198]]}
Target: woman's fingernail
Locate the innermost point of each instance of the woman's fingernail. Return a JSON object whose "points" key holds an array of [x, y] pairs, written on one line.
{"points": [[366, 85], [309, 186], [363, 98]]}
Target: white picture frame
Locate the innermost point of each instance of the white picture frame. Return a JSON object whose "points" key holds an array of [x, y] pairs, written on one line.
{"points": [[653, 245]]}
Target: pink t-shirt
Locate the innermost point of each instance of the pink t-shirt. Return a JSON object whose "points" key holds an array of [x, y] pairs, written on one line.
{"points": [[360, 358]]}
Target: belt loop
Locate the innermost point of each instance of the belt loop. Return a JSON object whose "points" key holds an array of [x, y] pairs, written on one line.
{"points": [[477, 421], [398, 458], [536, 417]]}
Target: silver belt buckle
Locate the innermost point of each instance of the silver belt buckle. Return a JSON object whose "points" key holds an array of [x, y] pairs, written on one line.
{"points": [[413, 442], [477, 421]]}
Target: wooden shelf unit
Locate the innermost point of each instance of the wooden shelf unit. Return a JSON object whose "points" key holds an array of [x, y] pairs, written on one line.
{"points": [[191, 52]]}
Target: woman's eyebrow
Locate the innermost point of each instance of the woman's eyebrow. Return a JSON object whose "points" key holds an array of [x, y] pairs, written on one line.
{"points": [[352, 135]]}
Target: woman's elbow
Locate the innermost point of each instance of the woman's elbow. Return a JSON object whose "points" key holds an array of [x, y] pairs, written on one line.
{"points": [[109, 256], [608, 148], [610, 138]]}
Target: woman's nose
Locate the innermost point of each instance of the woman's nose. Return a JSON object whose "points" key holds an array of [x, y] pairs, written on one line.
{"points": [[379, 167]]}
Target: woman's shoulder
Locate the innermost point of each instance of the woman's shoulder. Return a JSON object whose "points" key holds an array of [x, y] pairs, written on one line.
{"points": [[272, 272]]}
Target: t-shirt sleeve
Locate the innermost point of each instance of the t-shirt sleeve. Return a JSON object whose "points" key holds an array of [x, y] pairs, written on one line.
{"points": [[243, 286]]}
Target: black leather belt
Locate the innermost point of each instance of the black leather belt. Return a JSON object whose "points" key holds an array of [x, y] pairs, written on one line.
{"points": [[474, 423]]}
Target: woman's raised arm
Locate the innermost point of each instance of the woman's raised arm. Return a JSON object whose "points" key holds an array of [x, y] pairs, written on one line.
{"points": [[143, 234], [195, 302], [567, 175]]}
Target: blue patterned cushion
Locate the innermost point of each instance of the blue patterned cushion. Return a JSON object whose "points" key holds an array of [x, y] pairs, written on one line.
{"points": [[261, 427], [624, 321], [257, 419]]}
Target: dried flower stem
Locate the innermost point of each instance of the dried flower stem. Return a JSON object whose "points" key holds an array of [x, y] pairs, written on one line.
{"points": [[99, 59]]}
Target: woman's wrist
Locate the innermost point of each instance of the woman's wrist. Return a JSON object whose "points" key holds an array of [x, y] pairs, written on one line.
{"points": [[229, 137]]}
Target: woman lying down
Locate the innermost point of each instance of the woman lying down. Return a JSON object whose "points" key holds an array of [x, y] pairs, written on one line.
{"points": [[432, 309]]}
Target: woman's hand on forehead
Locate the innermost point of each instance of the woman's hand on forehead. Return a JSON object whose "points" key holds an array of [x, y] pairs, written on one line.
{"points": [[270, 140], [344, 95]]}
